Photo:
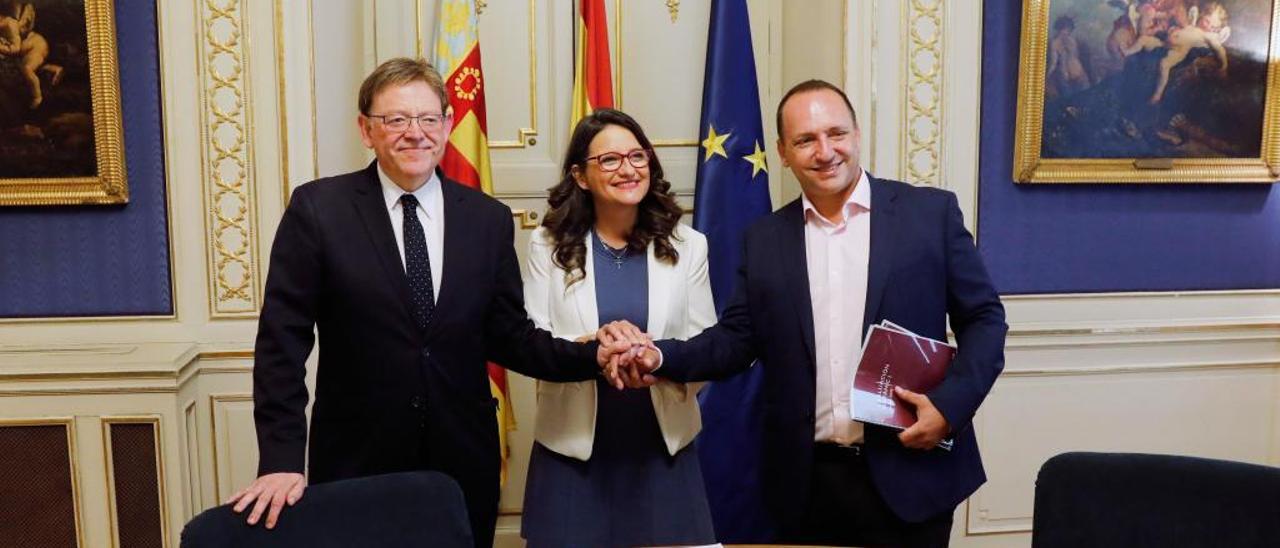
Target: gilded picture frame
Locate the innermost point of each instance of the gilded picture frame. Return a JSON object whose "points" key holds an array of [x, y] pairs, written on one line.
{"points": [[1148, 91], [71, 156]]}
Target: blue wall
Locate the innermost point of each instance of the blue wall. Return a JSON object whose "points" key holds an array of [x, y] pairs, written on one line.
{"points": [[1104, 238], [101, 260]]}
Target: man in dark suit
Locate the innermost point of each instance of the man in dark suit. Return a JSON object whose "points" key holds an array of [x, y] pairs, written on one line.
{"points": [[852, 251], [413, 284]]}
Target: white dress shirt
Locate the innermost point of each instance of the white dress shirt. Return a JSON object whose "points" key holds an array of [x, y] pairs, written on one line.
{"points": [[430, 213], [837, 254]]}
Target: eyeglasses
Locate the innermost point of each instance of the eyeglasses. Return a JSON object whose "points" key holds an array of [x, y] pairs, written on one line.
{"points": [[400, 122], [612, 161]]}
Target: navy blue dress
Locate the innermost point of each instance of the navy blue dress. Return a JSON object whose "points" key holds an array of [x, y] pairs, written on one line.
{"points": [[631, 492]]}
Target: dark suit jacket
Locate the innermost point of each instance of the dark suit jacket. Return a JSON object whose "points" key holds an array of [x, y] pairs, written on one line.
{"points": [[390, 397], [923, 268]]}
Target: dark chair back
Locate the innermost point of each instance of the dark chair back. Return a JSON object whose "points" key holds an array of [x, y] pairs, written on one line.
{"points": [[1135, 500], [404, 509]]}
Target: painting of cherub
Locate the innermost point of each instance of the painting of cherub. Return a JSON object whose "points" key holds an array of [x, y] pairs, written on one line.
{"points": [[1155, 78], [46, 102]]}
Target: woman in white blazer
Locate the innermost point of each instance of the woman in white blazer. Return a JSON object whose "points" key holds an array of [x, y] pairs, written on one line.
{"points": [[610, 467]]}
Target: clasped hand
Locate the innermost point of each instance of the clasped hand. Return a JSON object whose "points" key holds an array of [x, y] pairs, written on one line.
{"points": [[627, 356]]}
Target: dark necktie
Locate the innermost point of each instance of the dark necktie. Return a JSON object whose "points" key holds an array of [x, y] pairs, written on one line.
{"points": [[416, 262]]}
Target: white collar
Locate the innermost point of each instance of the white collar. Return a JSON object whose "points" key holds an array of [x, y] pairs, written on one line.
{"points": [[425, 194], [860, 197]]}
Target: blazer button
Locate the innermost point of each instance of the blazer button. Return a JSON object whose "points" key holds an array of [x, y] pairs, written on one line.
{"points": [[426, 352], [418, 402]]}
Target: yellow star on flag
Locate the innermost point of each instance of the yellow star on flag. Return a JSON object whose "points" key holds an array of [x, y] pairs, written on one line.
{"points": [[757, 160], [714, 144]]}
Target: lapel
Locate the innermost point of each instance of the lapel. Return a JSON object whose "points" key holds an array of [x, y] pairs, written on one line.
{"points": [[372, 208], [660, 291], [584, 292], [460, 231], [880, 258], [790, 248]]}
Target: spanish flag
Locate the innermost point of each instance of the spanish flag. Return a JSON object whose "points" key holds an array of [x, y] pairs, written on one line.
{"points": [[592, 83], [466, 156]]}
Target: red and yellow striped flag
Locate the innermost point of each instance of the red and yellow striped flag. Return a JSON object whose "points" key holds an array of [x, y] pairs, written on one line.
{"points": [[592, 80], [466, 156], [457, 57]]}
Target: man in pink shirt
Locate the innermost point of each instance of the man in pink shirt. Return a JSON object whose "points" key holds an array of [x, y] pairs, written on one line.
{"points": [[852, 251]]}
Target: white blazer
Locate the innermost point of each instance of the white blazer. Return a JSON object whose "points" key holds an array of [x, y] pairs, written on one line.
{"points": [[680, 306]]}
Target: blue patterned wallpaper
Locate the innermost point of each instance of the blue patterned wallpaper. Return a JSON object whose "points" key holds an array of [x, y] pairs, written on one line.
{"points": [[101, 260]]}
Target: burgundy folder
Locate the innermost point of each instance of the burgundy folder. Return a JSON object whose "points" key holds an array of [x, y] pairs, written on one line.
{"points": [[893, 356]]}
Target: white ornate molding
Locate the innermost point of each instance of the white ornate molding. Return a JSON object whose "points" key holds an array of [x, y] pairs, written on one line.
{"points": [[227, 162], [914, 75], [923, 89], [1216, 408]]}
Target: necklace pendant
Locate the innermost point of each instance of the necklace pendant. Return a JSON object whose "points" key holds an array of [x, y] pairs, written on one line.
{"points": [[617, 263]]}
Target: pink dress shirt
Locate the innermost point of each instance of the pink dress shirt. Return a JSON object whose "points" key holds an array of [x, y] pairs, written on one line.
{"points": [[837, 255]]}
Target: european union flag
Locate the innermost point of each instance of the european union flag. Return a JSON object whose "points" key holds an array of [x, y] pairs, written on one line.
{"points": [[732, 192]]}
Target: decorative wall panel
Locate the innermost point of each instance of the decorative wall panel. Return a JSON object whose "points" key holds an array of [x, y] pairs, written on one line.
{"points": [[228, 173], [513, 121], [922, 130], [234, 443], [139, 519], [38, 506]]}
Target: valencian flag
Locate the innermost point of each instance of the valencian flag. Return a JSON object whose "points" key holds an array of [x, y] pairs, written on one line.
{"points": [[466, 156], [592, 86], [457, 57], [732, 192]]}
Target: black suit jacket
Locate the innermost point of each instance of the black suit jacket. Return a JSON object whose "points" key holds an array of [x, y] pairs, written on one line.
{"points": [[923, 268], [390, 397]]}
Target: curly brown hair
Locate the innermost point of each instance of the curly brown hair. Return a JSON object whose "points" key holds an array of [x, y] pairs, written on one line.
{"points": [[572, 212]]}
